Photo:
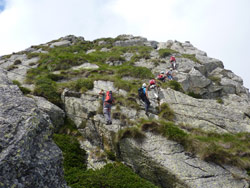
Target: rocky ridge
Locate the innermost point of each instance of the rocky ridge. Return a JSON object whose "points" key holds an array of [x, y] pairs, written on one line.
{"points": [[162, 161]]}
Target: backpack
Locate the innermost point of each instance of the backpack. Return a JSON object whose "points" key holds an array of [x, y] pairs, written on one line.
{"points": [[141, 93], [109, 97]]}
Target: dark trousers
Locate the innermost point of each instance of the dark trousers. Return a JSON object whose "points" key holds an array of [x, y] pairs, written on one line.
{"points": [[147, 103]]}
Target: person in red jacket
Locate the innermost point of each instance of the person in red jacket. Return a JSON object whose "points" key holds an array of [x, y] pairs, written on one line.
{"points": [[162, 76], [173, 62]]}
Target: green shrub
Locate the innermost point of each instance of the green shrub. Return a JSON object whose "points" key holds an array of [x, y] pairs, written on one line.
{"points": [[166, 112], [74, 157], [24, 90], [47, 88], [191, 57], [166, 52], [172, 132], [173, 84], [166, 129], [16, 82], [114, 175], [31, 55], [220, 101], [17, 62], [130, 132], [68, 128], [84, 85], [194, 95]]}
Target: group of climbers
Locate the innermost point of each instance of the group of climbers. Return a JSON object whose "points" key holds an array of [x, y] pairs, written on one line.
{"points": [[108, 100], [143, 91]]}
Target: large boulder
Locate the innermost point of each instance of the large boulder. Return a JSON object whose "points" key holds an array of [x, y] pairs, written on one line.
{"points": [[130, 40], [207, 114], [55, 113], [165, 163], [28, 156]]}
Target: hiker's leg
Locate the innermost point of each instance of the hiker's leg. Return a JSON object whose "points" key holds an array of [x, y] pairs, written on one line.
{"points": [[106, 116], [147, 104], [109, 115]]}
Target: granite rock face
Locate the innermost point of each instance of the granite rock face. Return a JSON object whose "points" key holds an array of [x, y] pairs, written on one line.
{"points": [[28, 156], [166, 164], [157, 159]]}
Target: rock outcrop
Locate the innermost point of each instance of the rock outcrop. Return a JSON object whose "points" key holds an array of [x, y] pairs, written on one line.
{"points": [[157, 159], [28, 156], [166, 164]]}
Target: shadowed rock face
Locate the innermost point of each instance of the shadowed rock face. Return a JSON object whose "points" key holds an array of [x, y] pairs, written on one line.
{"points": [[28, 156]]}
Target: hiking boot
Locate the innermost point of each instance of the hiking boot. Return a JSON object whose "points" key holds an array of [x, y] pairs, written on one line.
{"points": [[146, 113]]}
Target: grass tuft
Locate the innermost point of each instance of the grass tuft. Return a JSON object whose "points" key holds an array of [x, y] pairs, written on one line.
{"points": [[166, 112]]}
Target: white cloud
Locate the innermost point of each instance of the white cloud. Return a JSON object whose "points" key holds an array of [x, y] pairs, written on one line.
{"points": [[221, 28]]}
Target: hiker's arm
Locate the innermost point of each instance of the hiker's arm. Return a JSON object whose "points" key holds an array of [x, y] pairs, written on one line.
{"points": [[146, 91], [101, 92]]}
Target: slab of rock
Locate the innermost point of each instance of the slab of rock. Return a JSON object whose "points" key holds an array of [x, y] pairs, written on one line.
{"points": [[55, 113], [206, 114], [60, 43], [86, 66], [165, 163], [28, 156]]}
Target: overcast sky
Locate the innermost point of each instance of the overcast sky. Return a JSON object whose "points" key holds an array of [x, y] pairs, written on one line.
{"points": [[219, 27]]}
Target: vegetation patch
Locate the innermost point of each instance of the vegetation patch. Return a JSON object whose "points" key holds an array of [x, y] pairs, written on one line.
{"points": [[166, 128], [166, 112], [166, 52], [194, 95], [114, 175], [220, 101], [130, 132], [84, 85], [17, 62], [24, 90], [191, 57], [32, 55], [11, 67], [137, 72], [232, 149], [173, 84], [47, 88]]}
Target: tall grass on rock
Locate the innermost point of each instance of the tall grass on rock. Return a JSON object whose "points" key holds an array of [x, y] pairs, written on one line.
{"points": [[166, 112], [47, 88], [166, 52], [231, 149]]}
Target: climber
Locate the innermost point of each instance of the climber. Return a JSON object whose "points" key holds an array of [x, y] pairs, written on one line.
{"points": [[161, 76], [154, 87], [107, 100], [143, 95], [173, 62], [170, 74]]}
